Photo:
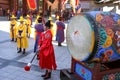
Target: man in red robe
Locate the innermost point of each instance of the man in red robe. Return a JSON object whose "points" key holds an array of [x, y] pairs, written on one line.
{"points": [[46, 52]]}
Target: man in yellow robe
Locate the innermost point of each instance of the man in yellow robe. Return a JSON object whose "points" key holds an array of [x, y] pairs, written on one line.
{"points": [[22, 41], [28, 26], [13, 28]]}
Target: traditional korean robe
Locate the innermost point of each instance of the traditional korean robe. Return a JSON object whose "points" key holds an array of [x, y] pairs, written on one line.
{"points": [[22, 42], [46, 54], [60, 31]]}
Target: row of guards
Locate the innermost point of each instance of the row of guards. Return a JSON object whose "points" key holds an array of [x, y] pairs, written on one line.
{"points": [[43, 40], [25, 26], [20, 33]]}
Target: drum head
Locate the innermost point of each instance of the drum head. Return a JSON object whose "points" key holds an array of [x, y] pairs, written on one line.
{"points": [[80, 38]]}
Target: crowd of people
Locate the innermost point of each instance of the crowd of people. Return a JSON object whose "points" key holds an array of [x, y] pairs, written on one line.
{"points": [[19, 13], [43, 46]]}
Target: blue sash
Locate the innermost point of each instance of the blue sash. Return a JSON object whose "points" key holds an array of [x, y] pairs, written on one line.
{"points": [[20, 32]]}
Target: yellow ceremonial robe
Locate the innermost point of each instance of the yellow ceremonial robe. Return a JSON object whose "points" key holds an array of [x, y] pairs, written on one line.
{"points": [[13, 29], [23, 41]]}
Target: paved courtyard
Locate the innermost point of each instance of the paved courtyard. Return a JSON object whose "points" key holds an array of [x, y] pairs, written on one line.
{"points": [[12, 63]]}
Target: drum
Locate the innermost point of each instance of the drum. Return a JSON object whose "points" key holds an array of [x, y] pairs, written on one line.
{"points": [[93, 35]]}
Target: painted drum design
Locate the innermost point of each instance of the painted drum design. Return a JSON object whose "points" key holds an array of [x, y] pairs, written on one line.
{"points": [[94, 35]]}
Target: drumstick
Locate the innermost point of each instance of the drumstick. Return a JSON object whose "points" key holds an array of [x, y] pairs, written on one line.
{"points": [[27, 68]]}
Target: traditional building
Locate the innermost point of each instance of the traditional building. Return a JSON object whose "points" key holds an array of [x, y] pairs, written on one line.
{"points": [[14, 5], [109, 5], [4, 4], [54, 5]]}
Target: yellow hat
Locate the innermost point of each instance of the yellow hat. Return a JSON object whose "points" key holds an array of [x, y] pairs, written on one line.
{"points": [[50, 18], [57, 17], [21, 18], [38, 16], [13, 17], [27, 16]]}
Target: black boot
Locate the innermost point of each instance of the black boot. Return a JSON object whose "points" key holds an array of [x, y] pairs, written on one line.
{"points": [[48, 75], [59, 44], [45, 73], [19, 50], [24, 51]]}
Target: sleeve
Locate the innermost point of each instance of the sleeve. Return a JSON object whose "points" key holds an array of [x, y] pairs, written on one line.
{"points": [[15, 26], [24, 31], [26, 22], [40, 40], [29, 22]]}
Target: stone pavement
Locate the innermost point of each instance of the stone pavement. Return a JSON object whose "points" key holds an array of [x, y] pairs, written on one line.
{"points": [[12, 63]]}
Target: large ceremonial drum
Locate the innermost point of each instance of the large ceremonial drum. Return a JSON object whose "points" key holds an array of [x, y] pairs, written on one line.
{"points": [[93, 35]]}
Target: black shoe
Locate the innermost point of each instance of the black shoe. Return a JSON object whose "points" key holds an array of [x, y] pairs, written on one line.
{"points": [[19, 50], [45, 73], [59, 44], [48, 75], [24, 51]]}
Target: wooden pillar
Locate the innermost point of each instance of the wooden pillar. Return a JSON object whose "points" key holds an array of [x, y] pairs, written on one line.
{"points": [[24, 7], [43, 7], [9, 1], [38, 4], [14, 7], [14, 4], [24, 3], [59, 5]]}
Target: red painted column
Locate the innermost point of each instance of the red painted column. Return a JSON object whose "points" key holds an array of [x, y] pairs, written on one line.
{"points": [[43, 7], [59, 5], [24, 7]]}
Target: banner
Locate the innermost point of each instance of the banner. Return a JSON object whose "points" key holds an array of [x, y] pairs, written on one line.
{"points": [[32, 4]]}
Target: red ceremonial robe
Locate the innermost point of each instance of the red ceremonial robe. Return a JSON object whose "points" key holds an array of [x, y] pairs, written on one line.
{"points": [[46, 54]]}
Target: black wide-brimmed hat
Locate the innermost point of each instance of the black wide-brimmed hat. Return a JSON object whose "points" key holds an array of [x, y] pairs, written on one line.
{"points": [[40, 18]]}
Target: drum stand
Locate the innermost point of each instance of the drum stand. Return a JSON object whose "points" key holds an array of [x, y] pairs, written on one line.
{"points": [[96, 70]]}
